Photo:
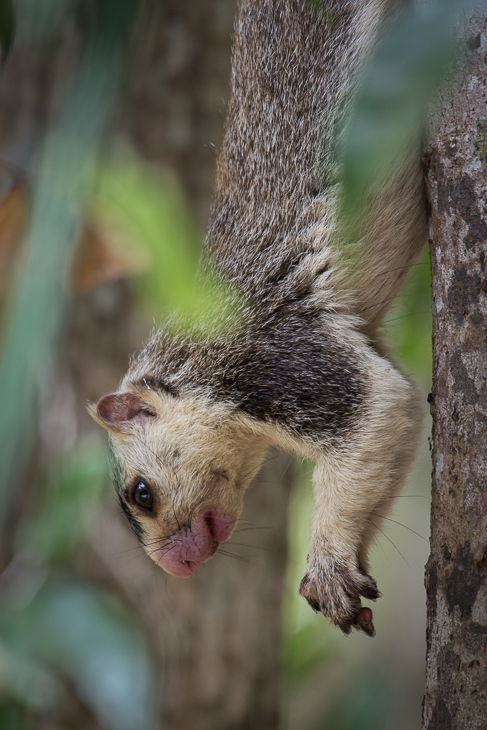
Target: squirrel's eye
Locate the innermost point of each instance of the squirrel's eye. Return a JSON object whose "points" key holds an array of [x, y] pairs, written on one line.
{"points": [[142, 495]]}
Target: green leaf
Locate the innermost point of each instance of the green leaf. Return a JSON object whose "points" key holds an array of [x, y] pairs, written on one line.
{"points": [[12, 716], [29, 682], [150, 206], [41, 19], [304, 650], [410, 322], [365, 702], [70, 500], [83, 633], [411, 62], [7, 27], [39, 303]]}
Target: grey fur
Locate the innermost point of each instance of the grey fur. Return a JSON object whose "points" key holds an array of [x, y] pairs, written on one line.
{"points": [[306, 371]]}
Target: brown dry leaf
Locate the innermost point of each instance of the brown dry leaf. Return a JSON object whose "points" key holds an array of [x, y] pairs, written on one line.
{"points": [[13, 218], [105, 251]]}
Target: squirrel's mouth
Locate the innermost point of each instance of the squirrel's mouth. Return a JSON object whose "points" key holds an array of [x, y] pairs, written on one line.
{"points": [[183, 551]]}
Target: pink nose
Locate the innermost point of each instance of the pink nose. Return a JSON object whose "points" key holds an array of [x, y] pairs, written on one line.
{"points": [[193, 544]]}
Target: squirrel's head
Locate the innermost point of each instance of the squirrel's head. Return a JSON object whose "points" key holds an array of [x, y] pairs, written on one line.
{"points": [[180, 467]]}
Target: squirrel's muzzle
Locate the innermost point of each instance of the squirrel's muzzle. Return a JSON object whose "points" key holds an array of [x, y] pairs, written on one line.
{"points": [[194, 543]]}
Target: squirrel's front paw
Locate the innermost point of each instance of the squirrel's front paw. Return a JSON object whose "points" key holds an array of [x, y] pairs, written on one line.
{"points": [[334, 587]]}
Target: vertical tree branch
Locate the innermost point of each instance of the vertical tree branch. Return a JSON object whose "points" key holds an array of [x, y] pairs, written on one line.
{"points": [[456, 676]]}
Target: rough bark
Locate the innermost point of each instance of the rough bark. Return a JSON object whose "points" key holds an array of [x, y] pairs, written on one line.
{"points": [[456, 676]]}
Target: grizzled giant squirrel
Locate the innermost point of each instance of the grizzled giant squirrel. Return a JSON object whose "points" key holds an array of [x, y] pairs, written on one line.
{"points": [[193, 419]]}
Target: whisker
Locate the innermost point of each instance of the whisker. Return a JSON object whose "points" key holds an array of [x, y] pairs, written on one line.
{"points": [[163, 553], [265, 480], [160, 540], [393, 545], [377, 542], [403, 316], [128, 550], [401, 525], [376, 304], [256, 468], [149, 449], [406, 266], [288, 466], [226, 554], [245, 522], [195, 506], [255, 547], [175, 516], [407, 496]]}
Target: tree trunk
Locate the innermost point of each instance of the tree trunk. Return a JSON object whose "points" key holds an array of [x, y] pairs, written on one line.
{"points": [[456, 578]]}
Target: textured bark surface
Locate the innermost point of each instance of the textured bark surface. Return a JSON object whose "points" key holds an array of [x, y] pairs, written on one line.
{"points": [[456, 677]]}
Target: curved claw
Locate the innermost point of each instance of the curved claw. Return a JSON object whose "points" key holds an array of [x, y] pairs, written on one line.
{"points": [[336, 594]]}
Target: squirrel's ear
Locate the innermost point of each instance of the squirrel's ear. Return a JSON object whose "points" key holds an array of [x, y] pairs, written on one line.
{"points": [[116, 410]]}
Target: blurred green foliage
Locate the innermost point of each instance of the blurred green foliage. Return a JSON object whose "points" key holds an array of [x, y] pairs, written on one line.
{"points": [[150, 206], [411, 61], [57, 630], [305, 644], [32, 334], [55, 626], [72, 626], [39, 22], [362, 705], [7, 26], [304, 648], [68, 504], [410, 323]]}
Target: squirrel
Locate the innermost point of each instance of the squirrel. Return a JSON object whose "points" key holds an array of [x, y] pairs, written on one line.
{"points": [[308, 371]]}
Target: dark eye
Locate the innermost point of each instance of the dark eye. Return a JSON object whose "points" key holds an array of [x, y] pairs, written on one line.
{"points": [[142, 495]]}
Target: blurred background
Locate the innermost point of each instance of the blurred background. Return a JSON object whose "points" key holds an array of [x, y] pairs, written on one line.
{"points": [[111, 116]]}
